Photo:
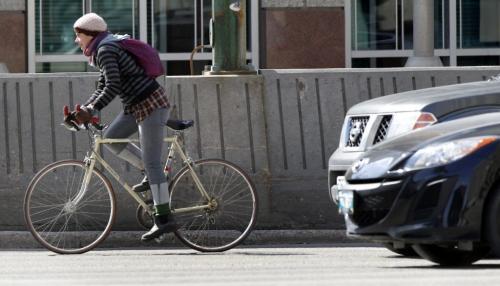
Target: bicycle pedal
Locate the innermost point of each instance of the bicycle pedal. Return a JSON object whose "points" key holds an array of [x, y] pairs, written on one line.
{"points": [[160, 238]]}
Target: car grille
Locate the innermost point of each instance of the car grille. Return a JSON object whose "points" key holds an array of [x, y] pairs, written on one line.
{"points": [[357, 125], [383, 128], [371, 208]]}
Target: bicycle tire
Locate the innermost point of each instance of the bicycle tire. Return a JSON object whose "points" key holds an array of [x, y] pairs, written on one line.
{"points": [[230, 221], [54, 219]]}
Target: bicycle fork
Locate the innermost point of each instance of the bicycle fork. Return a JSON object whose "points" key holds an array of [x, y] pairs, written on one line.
{"points": [[89, 167]]}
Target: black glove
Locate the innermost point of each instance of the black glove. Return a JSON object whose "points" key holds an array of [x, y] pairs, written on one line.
{"points": [[83, 114], [80, 118], [69, 120]]}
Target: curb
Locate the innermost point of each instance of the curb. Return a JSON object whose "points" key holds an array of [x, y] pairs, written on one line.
{"points": [[131, 239]]}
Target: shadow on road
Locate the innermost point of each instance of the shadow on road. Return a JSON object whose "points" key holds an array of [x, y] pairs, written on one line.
{"points": [[395, 256], [470, 267], [233, 253]]}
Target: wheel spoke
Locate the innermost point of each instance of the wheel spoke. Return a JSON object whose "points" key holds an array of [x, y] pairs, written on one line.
{"points": [[234, 201], [57, 220]]}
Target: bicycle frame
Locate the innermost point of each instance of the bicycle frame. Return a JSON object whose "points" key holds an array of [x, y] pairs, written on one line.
{"points": [[175, 147]]}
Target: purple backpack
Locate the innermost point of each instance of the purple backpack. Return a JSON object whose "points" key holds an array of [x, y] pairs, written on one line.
{"points": [[145, 55]]}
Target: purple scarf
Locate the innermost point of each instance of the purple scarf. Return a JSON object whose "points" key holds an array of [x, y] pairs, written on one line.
{"points": [[90, 50]]}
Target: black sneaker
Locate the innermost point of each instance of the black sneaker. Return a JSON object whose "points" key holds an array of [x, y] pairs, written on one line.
{"points": [[142, 186], [168, 225]]}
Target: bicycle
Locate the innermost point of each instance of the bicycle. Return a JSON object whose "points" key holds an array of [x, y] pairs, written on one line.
{"points": [[70, 205]]}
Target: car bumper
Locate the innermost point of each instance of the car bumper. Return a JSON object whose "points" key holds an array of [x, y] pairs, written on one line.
{"points": [[425, 206]]}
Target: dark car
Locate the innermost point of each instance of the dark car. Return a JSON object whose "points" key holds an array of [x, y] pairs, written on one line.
{"points": [[436, 189]]}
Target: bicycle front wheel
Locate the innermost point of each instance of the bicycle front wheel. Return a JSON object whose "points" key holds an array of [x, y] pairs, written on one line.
{"points": [[64, 216], [231, 206]]}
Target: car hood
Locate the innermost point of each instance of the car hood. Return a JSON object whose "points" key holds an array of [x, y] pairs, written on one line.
{"points": [[382, 158], [437, 100]]}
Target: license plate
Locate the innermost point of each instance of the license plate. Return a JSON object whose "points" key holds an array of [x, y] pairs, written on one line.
{"points": [[334, 190], [340, 182], [346, 201]]}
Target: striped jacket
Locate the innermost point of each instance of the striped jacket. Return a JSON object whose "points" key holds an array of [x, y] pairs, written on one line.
{"points": [[120, 76]]}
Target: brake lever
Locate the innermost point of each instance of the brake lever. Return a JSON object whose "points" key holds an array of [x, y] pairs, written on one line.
{"points": [[71, 126], [69, 121]]}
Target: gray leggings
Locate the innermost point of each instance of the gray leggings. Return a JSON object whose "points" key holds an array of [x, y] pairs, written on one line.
{"points": [[148, 157]]}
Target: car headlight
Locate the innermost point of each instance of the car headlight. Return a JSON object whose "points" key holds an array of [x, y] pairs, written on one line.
{"points": [[403, 122], [443, 153]]}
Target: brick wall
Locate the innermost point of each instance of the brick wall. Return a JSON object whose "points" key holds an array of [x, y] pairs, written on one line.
{"points": [[302, 34], [13, 35]]}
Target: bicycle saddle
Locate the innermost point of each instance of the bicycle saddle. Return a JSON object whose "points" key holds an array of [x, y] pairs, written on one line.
{"points": [[179, 124]]}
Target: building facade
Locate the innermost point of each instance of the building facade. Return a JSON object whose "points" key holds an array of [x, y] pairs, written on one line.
{"points": [[37, 35], [380, 32]]}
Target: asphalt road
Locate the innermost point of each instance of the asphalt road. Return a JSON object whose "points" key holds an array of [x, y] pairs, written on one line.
{"points": [[340, 264]]}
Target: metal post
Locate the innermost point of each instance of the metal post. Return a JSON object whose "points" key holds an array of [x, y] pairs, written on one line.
{"points": [[453, 32], [31, 36], [347, 33], [143, 20], [423, 36], [228, 38]]}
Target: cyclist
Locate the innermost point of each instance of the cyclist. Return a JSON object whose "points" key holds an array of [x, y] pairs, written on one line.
{"points": [[145, 109]]}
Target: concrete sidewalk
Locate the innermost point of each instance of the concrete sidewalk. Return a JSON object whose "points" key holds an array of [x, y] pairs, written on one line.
{"points": [[119, 239]]}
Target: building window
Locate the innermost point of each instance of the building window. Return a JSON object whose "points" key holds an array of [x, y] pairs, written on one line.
{"points": [[479, 25], [382, 25], [174, 27], [51, 67], [479, 61], [367, 34], [180, 25], [441, 24], [382, 32], [177, 28], [120, 15], [54, 26]]}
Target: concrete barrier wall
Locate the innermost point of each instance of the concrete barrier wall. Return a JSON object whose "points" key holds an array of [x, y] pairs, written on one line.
{"points": [[280, 126]]}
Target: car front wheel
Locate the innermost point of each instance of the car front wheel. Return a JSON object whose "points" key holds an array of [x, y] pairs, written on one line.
{"points": [[445, 255], [491, 227]]}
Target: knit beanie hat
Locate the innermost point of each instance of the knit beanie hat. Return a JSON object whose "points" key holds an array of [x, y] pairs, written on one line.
{"points": [[91, 22]]}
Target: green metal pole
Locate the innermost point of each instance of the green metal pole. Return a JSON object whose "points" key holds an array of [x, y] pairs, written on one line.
{"points": [[229, 44]]}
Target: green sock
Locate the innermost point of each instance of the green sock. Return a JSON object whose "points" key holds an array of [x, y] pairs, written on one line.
{"points": [[162, 209]]}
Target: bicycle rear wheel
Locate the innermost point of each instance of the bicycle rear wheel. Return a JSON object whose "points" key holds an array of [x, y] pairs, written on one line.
{"points": [[233, 205], [61, 218]]}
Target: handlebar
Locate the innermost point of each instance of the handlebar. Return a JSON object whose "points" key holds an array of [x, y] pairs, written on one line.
{"points": [[71, 123]]}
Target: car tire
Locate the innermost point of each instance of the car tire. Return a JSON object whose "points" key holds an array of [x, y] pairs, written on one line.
{"points": [[407, 251], [491, 227], [449, 255]]}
